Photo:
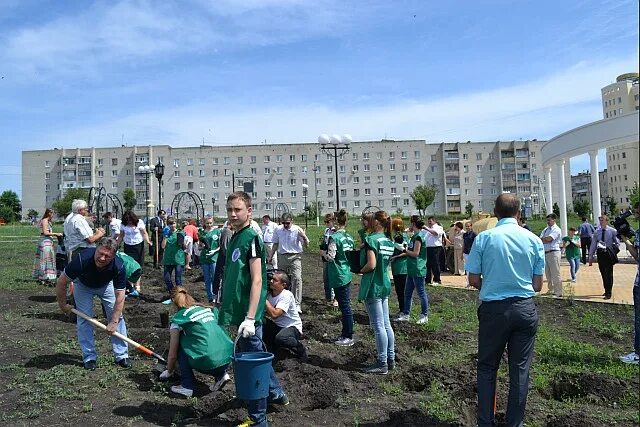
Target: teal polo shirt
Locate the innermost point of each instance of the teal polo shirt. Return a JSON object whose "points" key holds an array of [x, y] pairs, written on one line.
{"points": [[507, 257]]}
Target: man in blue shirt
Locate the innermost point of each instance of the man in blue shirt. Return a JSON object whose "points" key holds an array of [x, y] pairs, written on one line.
{"points": [[586, 231], [97, 272], [506, 264]]}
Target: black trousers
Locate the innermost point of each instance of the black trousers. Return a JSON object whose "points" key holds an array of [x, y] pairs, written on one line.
{"points": [[512, 322], [433, 264], [606, 271], [399, 280], [585, 243], [276, 337]]}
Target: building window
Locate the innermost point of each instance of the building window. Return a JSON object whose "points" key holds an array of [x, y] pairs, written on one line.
{"points": [[267, 159], [365, 156], [189, 162], [366, 167], [392, 155], [378, 156], [114, 173], [392, 166], [418, 178], [278, 158], [479, 168], [416, 154], [417, 165], [367, 191], [356, 192], [354, 156], [433, 157]]}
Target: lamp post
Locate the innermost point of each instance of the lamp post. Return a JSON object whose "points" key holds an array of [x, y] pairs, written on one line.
{"points": [[159, 171], [146, 170], [305, 187], [315, 186], [213, 207], [331, 145]]}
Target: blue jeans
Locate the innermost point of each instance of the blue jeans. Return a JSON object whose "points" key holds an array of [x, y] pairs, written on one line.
{"points": [[414, 282], [329, 294], [636, 309], [378, 310], [343, 296], [574, 266], [168, 269], [186, 372], [258, 408], [208, 271], [83, 296]]}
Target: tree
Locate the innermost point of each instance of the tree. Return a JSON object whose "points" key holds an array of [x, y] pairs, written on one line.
{"points": [[10, 206], [33, 214], [468, 209], [315, 210], [556, 209], [423, 196], [634, 195], [612, 206], [582, 207], [129, 197], [63, 206]]}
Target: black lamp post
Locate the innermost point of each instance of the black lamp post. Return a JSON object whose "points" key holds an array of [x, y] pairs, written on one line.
{"points": [[305, 187], [159, 170], [331, 145], [213, 207]]}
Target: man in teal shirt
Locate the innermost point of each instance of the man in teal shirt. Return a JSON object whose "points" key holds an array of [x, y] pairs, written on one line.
{"points": [[506, 264]]}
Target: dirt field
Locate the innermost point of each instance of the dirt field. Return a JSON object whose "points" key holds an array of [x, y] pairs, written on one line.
{"points": [[576, 379]]}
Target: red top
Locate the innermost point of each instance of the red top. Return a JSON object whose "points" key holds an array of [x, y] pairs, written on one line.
{"points": [[191, 230]]}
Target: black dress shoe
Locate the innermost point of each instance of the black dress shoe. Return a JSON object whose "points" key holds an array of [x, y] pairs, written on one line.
{"points": [[124, 363], [90, 365], [607, 297]]}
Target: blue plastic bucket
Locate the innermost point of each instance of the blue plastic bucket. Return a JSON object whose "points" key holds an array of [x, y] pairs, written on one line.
{"points": [[252, 371]]}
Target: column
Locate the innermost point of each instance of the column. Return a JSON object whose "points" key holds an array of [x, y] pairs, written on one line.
{"points": [[595, 185], [549, 201], [563, 198]]}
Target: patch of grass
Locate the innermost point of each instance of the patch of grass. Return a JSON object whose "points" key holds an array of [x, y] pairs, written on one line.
{"points": [[391, 388], [439, 403], [592, 320]]}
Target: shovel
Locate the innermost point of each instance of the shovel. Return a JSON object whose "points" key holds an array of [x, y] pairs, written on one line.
{"points": [[138, 346]]}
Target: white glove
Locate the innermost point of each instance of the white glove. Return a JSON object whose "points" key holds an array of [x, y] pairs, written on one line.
{"points": [[165, 375], [247, 328]]}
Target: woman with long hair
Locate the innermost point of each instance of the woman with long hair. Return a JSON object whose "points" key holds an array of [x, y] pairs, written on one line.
{"points": [[174, 256], [196, 342], [375, 288], [329, 222], [399, 260], [416, 272], [44, 265], [134, 233], [339, 275]]}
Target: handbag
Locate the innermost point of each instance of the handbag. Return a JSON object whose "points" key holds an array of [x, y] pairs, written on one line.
{"points": [[357, 260]]}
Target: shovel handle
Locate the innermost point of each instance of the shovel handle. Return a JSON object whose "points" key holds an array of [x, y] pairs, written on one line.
{"points": [[137, 345]]}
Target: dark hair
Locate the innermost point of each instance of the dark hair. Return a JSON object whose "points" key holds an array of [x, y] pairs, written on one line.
{"points": [[383, 219], [267, 217], [506, 206], [341, 217], [432, 217], [107, 215], [572, 228], [552, 216], [46, 213], [284, 277], [161, 212], [459, 225], [129, 218], [240, 195], [584, 218]]}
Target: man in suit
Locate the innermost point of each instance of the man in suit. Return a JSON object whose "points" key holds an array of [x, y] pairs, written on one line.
{"points": [[157, 224]]}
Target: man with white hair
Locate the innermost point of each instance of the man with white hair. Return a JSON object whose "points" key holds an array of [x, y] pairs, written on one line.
{"points": [[78, 234]]}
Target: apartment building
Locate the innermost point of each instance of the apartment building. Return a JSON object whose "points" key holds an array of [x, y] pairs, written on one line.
{"points": [[371, 173], [581, 187], [621, 98]]}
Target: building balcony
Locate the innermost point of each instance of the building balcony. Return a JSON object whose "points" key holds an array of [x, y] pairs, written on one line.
{"points": [[453, 193]]}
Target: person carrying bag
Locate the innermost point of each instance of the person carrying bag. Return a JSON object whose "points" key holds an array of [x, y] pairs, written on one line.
{"points": [[605, 245]]}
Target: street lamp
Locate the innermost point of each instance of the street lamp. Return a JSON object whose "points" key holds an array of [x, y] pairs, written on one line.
{"points": [[305, 187], [315, 187], [330, 145], [213, 206], [159, 170], [146, 170]]}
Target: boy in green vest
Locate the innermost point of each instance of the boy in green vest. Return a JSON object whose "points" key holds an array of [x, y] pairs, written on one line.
{"points": [[133, 272], [244, 293]]}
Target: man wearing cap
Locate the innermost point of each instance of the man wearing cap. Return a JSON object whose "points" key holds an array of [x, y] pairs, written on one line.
{"points": [[551, 238]]}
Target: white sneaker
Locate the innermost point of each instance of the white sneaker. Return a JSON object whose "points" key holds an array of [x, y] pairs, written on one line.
{"points": [[631, 358], [219, 385], [178, 389], [344, 342], [422, 319], [402, 318]]}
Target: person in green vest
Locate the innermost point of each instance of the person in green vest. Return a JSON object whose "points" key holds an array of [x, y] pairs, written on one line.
{"points": [[416, 272], [209, 238], [133, 272], [244, 292], [339, 275], [174, 257], [196, 342], [399, 260], [571, 245], [329, 221], [375, 288]]}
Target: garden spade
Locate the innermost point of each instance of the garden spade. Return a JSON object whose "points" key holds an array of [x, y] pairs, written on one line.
{"points": [[138, 346]]}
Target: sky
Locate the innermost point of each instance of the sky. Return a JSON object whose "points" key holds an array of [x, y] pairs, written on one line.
{"points": [[103, 73]]}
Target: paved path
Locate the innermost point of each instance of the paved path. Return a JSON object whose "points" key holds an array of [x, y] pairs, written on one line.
{"points": [[588, 286]]}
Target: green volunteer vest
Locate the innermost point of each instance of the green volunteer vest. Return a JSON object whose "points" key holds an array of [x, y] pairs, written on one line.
{"points": [[572, 252], [417, 267], [338, 269], [173, 255], [213, 239], [130, 264], [199, 327], [244, 245], [399, 265], [376, 284]]}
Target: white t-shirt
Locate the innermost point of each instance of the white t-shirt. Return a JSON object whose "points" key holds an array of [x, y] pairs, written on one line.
{"points": [[289, 241], [133, 235], [268, 230], [114, 227], [556, 233], [287, 303], [431, 240]]}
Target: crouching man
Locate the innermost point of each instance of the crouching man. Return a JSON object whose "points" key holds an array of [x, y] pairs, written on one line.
{"points": [[283, 326], [97, 272]]}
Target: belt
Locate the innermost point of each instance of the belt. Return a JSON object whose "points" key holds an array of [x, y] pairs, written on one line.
{"points": [[553, 250]]}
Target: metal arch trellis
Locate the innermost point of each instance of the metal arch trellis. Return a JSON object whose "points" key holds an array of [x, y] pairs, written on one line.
{"points": [[279, 209], [94, 200], [194, 202]]}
